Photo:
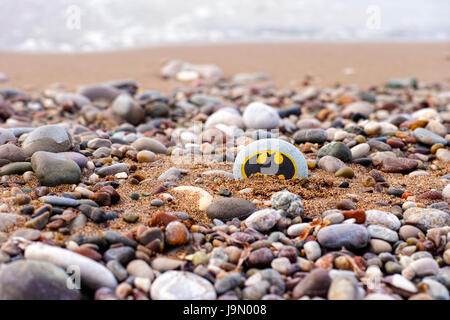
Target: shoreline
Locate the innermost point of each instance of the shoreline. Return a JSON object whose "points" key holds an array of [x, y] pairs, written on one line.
{"points": [[361, 63]]}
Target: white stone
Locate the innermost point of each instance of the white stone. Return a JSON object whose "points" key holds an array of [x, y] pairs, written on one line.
{"points": [[228, 116], [426, 114], [182, 285], [258, 115], [446, 193], [360, 150], [263, 220], [93, 274], [312, 250], [296, 229], [383, 218]]}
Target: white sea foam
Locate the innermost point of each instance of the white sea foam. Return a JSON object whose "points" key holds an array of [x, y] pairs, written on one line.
{"points": [[39, 25]]}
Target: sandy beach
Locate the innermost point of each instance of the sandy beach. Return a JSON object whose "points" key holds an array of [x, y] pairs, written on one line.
{"points": [[356, 206], [364, 64]]}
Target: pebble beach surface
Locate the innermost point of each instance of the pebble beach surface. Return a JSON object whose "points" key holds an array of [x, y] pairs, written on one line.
{"points": [[133, 191]]}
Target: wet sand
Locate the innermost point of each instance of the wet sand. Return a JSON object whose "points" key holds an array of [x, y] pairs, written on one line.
{"points": [[364, 64]]}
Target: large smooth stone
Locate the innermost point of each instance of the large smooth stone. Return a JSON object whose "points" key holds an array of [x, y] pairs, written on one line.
{"points": [[316, 283], [361, 107], [426, 218], [310, 135], [128, 109], [6, 135], [12, 153], [383, 233], [336, 149], [382, 218], [229, 208], [35, 280], [51, 138], [360, 150], [258, 115], [150, 144], [93, 274], [227, 116], [398, 165], [330, 164], [350, 236], [182, 285], [263, 220], [54, 169], [427, 137], [15, 168], [270, 157]]}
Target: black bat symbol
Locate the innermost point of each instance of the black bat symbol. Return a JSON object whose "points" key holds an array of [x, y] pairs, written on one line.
{"points": [[269, 163]]}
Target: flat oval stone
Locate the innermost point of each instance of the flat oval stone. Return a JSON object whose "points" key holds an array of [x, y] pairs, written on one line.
{"points": [[128, 109], [229, 208], [93, 274], [59, 201], [336, 149], [12, 153], [51, 138], [15, 168], [35, 280], [182, 285], [316, 283], [426, 218], [310, 135], [383, 233], [263, 220], [398, 165], [54, 169], [360, 150], [427, 137], [350, 236], [112, 169], [330, 164], [270, 157], [149, 144]]}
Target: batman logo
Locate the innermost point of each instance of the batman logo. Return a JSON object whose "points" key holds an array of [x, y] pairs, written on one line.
{"points": [[269, 162]]}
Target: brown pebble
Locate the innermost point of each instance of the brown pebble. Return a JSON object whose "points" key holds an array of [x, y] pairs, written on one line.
{"points": [[161, 219], [176, 233], [359, 215]]}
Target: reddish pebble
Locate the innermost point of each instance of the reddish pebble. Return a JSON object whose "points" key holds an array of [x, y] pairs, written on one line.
{"points": [[88, 252], [395, 143], [159, 189], [161, 219], [115, 197], [431, 195], [359, 215], [56, 224], [101, 198], [176, 233]]}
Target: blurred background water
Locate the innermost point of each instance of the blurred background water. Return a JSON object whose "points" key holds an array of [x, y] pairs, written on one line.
{"points": [[90, 25]]}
